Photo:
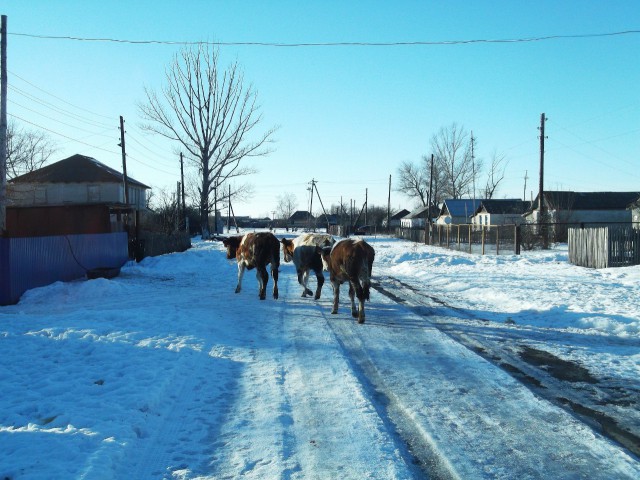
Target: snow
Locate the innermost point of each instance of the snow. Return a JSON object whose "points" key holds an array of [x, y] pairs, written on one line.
{"points": [[164, 372]]}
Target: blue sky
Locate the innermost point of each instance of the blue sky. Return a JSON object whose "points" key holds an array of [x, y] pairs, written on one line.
{"points": [[349, 115]]}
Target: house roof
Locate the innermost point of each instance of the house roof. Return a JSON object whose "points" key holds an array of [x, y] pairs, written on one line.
{"points": [[401, 214], [565, 200], [76, 169], [301, 215], [420, 212], [504, 206], [460, 207]]}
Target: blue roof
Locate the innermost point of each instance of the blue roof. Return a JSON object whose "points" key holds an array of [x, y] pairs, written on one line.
{"points": [[462, 207]]}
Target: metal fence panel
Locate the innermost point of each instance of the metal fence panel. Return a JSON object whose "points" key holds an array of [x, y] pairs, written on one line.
{"points": [[37, 261]]}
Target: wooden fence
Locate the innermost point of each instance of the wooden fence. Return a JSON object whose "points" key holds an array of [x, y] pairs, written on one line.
{"points": [[494, 239], [604, 247]]}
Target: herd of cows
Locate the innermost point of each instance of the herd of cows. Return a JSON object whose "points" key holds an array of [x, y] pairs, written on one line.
{"points": [[349, 260]]}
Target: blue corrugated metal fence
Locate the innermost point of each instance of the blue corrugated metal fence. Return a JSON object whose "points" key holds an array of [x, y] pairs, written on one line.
{"points": [[27, 263]]}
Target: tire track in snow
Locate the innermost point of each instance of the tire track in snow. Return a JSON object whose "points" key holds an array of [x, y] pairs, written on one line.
{"points": [[568, 386], [438, 403]]}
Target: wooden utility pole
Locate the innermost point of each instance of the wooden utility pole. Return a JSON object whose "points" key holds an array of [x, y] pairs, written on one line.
{"points": [[124, 163], [215, 208], [524, 192], [184, 205], [229, 212], [541, 205], [3, 128], [427, 225], [366, 206], [321, 204], [473, 170], [313, 185], [389, 208]]}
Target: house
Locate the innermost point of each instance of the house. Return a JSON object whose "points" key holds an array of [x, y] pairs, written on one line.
{"points": [[457, 211], [418, 217], [302, 219], [500, 212], [584, 207], [65, 221], [78, 190], [395, 219]]}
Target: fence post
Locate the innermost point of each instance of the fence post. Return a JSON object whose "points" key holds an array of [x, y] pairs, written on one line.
{"points": [[469, 238], [517, 240], [483, 234], [497, 240]]}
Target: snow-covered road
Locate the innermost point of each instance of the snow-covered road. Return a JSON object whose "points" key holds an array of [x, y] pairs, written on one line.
{"points": [[164, 372]]}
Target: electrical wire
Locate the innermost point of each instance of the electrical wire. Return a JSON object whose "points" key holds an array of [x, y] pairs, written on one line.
{"points": [[331, 44], [13, 74]]}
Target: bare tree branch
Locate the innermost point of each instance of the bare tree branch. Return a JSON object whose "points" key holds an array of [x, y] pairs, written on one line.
{"points": [[213, 115], [495, 174], [452, 149], [27, 150]]}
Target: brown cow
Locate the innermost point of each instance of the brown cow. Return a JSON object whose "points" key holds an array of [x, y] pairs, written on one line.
{"points": [[302, 250], [256, 250], [350, 261]]}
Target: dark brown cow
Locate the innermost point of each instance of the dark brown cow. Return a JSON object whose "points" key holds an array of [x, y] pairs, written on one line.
{"points": [[350, 261], [256, 250]]}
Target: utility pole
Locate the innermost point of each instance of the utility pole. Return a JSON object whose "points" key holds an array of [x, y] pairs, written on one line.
{"points": [[177, 223], [321, 204], [389, 208], [124, 163], [473, 170], [541, 205], [184, 205], [427, 233], [366, 205], [229, 212], [313, 184], [215, 208], [3, 128], [524, 192]]}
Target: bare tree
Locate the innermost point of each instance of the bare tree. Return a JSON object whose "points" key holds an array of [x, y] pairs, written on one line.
{"points": [[413, 181], [287, 205], [495, 175], [212, 114], [452, 149], [27, 150]]}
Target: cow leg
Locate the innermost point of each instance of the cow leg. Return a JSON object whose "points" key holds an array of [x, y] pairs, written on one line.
{"points": [[362, 294], [240, 274], [320, 280], [303, 278], [274, 275], [352, 294], [361, 311], [336, 296], [263, 278]]}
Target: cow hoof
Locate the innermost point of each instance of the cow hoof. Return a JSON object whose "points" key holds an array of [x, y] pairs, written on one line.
{"points": [[334, 312], [361, 321], [275, 296], [308, 292], [354, 314], [317, 297]]}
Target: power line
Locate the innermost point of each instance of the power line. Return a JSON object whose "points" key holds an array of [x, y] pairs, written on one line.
{"points": [[332, 44], [88, 144], [58, 98]]}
